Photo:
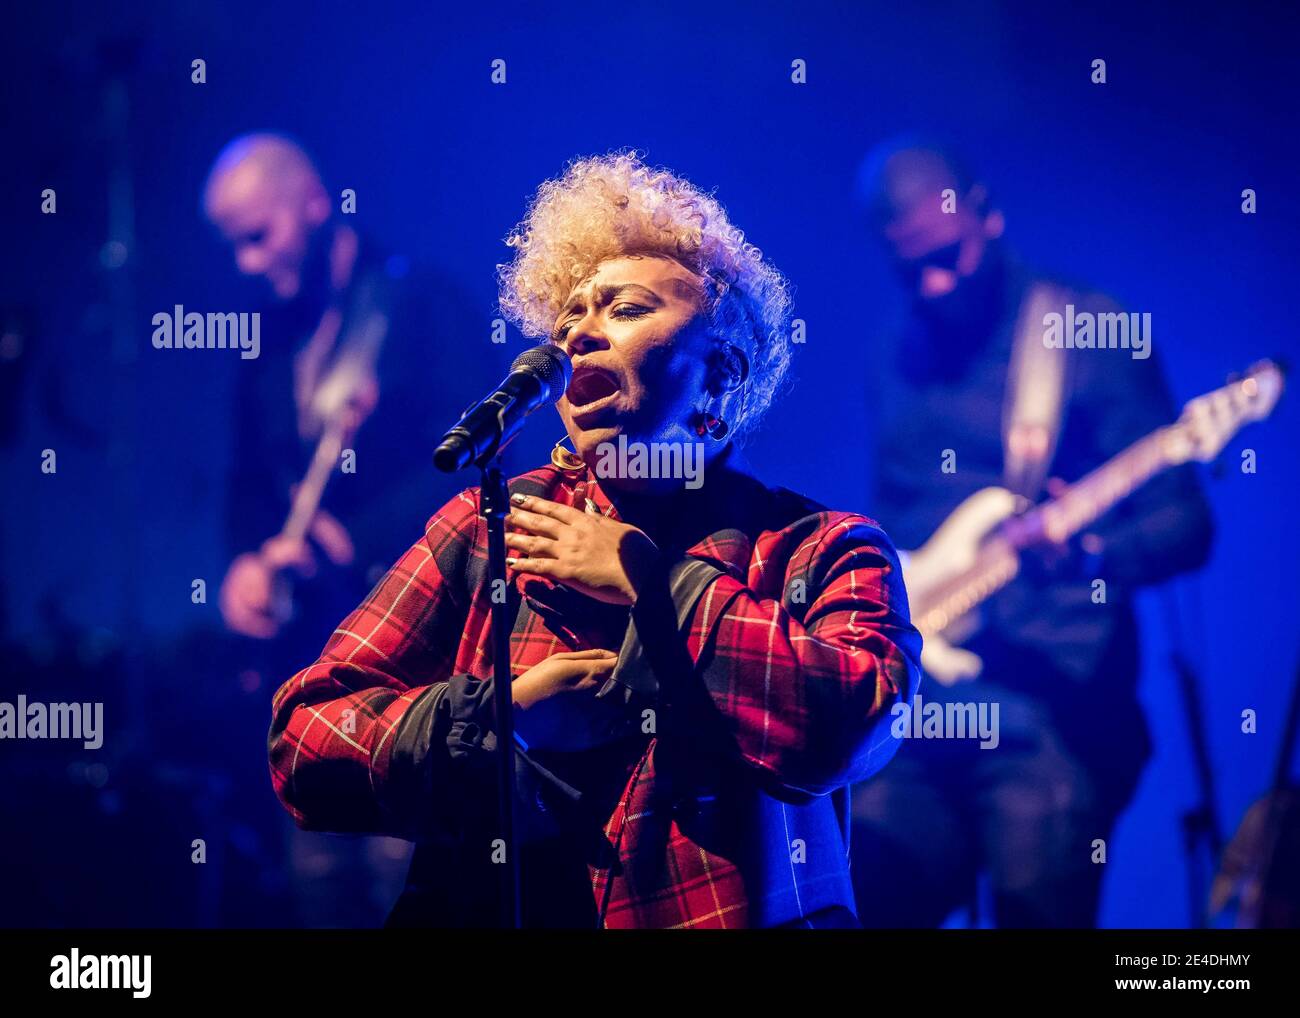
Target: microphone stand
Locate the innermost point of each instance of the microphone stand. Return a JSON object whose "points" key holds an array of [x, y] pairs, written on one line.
{"points": [[495, 501], [549, 368], [1200, 823]]}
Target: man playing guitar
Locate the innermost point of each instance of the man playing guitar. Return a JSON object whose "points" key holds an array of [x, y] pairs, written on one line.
{"points": [[334, 424], [973, 398]]}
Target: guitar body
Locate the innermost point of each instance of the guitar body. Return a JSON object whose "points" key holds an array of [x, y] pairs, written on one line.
{"points": [[951, 552]]}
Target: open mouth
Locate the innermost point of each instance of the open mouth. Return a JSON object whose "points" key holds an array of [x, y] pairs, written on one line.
{"points": [[590, 389]]}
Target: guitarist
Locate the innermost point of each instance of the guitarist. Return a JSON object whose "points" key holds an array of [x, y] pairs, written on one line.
{"points": [[331, 295], [354, 342], [968, 399]]}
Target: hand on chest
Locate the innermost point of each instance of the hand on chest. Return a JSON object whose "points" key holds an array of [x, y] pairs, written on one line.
{"points": [[579, 622]]}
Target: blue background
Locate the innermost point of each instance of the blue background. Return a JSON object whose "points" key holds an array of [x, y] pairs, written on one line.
{"points": [[1133, 185]]}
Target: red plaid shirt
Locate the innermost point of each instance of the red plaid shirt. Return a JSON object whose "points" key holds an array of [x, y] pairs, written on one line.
{"points": [[794, 642]]}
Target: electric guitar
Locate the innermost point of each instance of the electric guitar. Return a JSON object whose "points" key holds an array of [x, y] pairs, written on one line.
{"points": [[976, 551]]}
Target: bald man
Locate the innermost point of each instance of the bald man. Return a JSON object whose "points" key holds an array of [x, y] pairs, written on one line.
{"points": [[353, 343], [266, 198], [331, 294], [269, 203], [1061, 668]]}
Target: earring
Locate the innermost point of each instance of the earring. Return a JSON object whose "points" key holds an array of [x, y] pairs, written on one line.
{"points": [[707, 423], [563, 459]]}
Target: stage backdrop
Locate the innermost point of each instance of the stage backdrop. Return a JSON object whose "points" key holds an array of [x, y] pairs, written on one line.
{"points": [[1134, 186]]}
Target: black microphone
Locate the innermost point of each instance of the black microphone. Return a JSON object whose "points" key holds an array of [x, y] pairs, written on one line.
{"points": [[537, 378]]}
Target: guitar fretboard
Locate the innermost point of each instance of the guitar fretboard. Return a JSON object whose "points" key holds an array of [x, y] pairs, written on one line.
{"points": [[1095, 493]]}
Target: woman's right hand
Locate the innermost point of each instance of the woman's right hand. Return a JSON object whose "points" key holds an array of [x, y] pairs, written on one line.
{"points": [[556, 706]]}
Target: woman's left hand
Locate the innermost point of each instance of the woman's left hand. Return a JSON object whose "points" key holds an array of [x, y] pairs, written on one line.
{"points": [[592, 554]]}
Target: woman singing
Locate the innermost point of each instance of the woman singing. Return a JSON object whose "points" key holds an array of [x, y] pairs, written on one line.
{"points": [[702, 663]]}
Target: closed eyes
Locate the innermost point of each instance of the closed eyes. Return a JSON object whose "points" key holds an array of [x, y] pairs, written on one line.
{"points": [[623, 311]]}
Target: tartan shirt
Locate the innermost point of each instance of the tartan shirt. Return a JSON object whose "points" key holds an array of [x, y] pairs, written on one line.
{"points": [[767, 662]]}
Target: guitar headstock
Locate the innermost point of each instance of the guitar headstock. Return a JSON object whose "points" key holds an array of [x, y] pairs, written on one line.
{"points": [[1208, 422]]}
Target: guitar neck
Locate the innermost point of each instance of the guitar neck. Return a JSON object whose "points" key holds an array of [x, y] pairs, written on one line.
{"points": [[307, 499], [1094, 494], [1081, 504]]}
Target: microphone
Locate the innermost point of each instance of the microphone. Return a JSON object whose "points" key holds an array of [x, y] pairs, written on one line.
{"points": [[538, 377]]}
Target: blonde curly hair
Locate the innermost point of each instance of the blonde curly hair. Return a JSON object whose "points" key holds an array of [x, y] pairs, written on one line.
{"points": [[614, 205]]}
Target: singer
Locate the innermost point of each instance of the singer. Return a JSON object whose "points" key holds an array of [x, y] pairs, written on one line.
{"points": [[699, 672]]}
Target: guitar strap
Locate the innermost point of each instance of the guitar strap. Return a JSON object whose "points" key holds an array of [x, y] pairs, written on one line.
{"points": [[1034, 404], [360, 332], [364, 328]]}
